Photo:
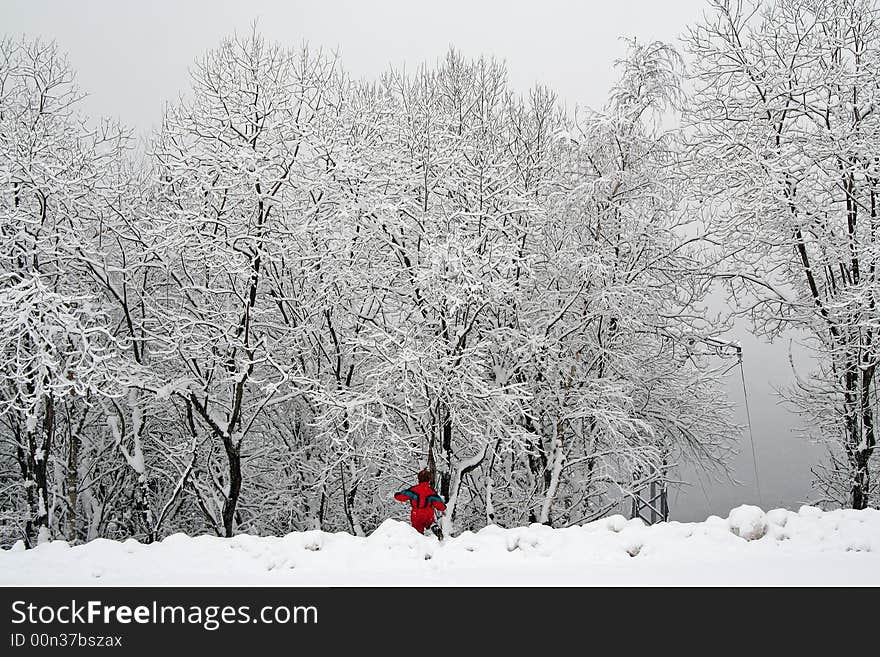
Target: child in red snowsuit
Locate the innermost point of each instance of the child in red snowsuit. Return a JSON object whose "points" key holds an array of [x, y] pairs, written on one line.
{"points": [[424, 501]]}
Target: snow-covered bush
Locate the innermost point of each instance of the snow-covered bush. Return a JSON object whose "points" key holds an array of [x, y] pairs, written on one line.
{"points": [[748, 522]]}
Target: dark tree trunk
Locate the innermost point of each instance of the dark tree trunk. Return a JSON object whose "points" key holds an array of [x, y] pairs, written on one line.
{"points": [[72, 484], [859, 427], [446, 477], [231, 502], [432, 465], [861, 484], [38, 461]]}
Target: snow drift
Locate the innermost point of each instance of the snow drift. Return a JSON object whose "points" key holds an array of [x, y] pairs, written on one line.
{"points": [[750, 547]]}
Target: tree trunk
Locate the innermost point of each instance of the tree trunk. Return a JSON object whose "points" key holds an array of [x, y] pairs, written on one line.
{"points": [[37, 528], [555, 476], [456, 479], [229, 505], [446, 484], [72, 484], [859, 427], [860, 482]]}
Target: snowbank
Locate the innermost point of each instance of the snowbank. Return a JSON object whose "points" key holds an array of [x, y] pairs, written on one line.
{"points": [[750, 547]]}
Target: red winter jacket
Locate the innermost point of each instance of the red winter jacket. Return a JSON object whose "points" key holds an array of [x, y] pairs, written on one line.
{"points": [[424, 500]]}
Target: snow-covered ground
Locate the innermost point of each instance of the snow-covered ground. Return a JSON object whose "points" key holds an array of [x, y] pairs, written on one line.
{"points": [[781, 547]]}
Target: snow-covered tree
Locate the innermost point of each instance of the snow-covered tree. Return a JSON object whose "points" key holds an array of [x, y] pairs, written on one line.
{"points": [[57, 341], [786, 146], [240, 167]]}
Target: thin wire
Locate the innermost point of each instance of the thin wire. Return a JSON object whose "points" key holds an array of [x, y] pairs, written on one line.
{"points": [[705, 496], [751, 435]]}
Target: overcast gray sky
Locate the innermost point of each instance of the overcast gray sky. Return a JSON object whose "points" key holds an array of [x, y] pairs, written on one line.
{"points": [[133, 56]]}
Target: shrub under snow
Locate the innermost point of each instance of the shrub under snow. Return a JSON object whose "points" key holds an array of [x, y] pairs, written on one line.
{"points": [[748, 522]]}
